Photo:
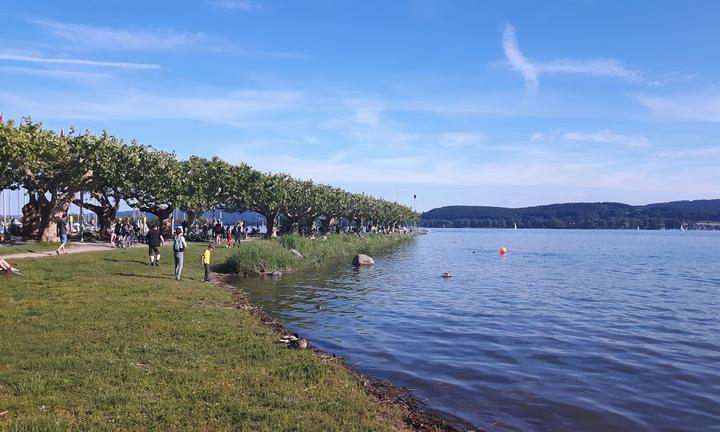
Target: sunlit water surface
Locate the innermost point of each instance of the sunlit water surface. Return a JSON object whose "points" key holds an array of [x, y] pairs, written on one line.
{"points": [[572, 330]]}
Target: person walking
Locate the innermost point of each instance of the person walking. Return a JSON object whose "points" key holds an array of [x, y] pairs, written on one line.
{"points": [[154, 241], [118, 233], [179, 246], [62, 229], [205, 259], [218, 230], [144, 229], [237, 232]]}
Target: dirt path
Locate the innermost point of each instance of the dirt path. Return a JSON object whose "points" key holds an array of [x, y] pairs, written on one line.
{"points": [[71, 249]]}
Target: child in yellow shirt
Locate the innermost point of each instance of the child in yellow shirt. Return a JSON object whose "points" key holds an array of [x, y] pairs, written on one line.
{"points": [[205, 259]]}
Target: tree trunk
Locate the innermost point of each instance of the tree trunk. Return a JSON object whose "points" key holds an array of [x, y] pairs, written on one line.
{"points": [[50, 213], [270, 224], [105, 213], [307, 224], [50, 220], [325, 225], [163, 215], [30, 218], [165, 221], [294, 227]]}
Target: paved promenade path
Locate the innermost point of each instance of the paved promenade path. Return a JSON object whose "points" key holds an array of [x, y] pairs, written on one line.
{"points": [[71, 249]]}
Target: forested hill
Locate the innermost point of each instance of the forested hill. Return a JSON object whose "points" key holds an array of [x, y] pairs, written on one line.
{"points": [[698, 214]]}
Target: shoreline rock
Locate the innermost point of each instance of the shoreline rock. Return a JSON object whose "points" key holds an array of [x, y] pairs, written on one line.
{"points": [[361, 260]]}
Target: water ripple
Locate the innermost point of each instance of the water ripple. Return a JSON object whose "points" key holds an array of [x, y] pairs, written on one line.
{"points": [[572, 330]]}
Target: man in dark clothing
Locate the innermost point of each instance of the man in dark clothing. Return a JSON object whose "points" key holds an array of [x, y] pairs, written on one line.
{"points": [[62, 228], [218, 233], [154, 241]]}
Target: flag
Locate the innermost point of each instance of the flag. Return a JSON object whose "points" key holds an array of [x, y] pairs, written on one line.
{"points": [[62, 132], [1, 118]]}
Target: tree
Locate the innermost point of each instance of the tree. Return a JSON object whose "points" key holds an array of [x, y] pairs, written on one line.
{"points": [[116, 166], [51, 168], [304, 207], [156, 188], [267, 194], [8, 173], [204, 184], [335, 203]]}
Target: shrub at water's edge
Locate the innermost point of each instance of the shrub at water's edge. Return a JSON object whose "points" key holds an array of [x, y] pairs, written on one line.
{"points": [[254, 258]]}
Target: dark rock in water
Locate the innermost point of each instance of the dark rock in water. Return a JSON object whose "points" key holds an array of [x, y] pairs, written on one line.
{"points": [[362, 260]]}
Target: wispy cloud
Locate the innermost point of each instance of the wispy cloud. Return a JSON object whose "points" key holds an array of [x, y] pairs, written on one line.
{"points": [[118, 39], [693, 107], [103, 38], [70, 75], [233, 108], [517, 60], [607, 136], [459, 139], [77, 62], [597, 67], [234, 4], [531, 70]]}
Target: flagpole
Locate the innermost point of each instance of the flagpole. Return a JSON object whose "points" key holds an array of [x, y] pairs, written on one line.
{"points": [[82, 221], [5, 228]]}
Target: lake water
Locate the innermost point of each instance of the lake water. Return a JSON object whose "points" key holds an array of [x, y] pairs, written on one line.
{"points": [[571, 331]]}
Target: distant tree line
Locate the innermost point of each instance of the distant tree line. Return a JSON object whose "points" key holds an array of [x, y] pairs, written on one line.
{"points": [[672, 215], [54, 168]]}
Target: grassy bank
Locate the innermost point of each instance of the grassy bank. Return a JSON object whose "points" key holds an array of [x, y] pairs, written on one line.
{"points": [[101, 341], [254, 258]]}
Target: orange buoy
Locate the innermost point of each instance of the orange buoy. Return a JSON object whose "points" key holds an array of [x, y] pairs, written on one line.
{"points": [[502, 251]]}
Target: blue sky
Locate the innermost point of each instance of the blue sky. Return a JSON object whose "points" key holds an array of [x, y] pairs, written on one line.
{"points": [[508, 103]]}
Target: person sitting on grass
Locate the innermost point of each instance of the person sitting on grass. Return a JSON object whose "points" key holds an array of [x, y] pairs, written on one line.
{"points": [[205, 260], [5, 266], [8, 269]]}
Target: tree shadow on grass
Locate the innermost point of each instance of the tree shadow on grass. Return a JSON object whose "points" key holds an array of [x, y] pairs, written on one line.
{"points": [[143, 276], [168, 277], [125, 261]]}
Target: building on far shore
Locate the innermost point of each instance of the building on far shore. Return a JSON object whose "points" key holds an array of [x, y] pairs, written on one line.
{"points": [[706, 226]]}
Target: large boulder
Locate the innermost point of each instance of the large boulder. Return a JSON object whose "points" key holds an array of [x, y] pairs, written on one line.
{"points": [[362, 260]]}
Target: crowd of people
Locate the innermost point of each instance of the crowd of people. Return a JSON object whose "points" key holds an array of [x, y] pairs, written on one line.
{"points": [[125, 232]]}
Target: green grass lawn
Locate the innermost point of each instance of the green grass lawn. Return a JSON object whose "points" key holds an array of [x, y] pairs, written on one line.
{"points": [[102, 341]]}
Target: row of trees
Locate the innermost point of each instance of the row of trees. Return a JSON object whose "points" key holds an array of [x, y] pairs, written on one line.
{"points": [[53, 168]]}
